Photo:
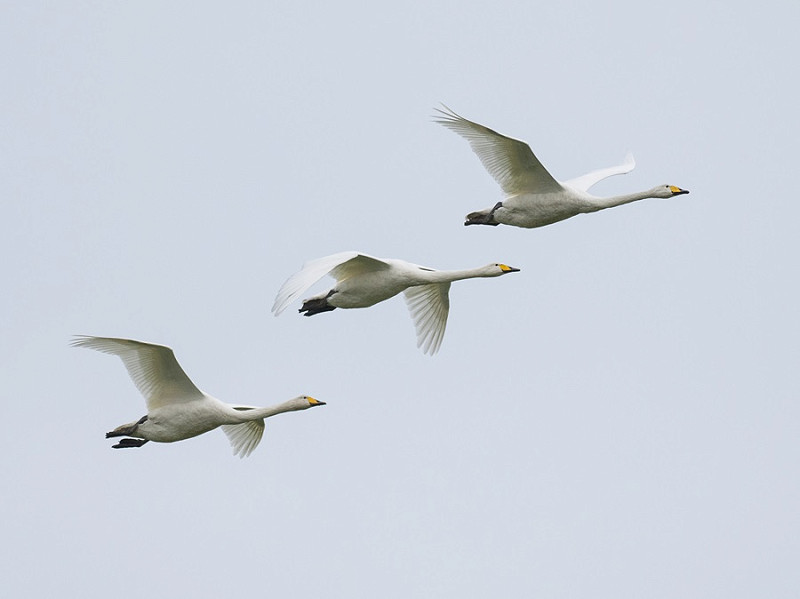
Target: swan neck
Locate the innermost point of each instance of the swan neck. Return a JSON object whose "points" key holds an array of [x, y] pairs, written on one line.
{"points": [[447, 276], [601, 203], [260, 413]]}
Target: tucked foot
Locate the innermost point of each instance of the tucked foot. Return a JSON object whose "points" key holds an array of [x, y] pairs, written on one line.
{"points": [[483, 218], [126, 429], [317, 305], [123, 443]]}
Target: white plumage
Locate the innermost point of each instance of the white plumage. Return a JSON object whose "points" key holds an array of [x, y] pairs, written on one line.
{"points": [[176, 408], [363, 281], [533, 197]]}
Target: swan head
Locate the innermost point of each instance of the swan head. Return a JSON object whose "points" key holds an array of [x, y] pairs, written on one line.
{"points": [[668, 191], [303, 402], [497, 269]]}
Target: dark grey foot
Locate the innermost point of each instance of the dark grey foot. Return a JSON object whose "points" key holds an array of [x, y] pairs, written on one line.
{"points": [[123, 431], [483, 218], [318, 305], [123, 443]]}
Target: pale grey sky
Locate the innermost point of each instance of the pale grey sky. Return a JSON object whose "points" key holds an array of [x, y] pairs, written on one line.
{"points": [[618, 420]]}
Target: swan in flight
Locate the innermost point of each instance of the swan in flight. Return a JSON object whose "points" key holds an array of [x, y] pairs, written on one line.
{"points": [[363, 281], [176, 409], [533, 197]]}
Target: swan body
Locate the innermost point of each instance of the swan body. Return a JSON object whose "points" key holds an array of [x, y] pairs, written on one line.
{"points": [[363, 281], [533, 197], [176, 408]]}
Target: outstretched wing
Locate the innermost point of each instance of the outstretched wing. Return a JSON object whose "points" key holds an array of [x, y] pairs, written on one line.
{"points": [[342, 266], [245, 437], [510, 161], [153, 369], [429, 306], [584, 182]]}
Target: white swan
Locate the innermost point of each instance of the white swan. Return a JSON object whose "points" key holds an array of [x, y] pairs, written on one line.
{"points": [[363, 281], [176, 409], [533, 197]]}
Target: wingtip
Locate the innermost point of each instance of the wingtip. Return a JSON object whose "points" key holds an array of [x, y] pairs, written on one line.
{"points": [[79, 340], [445, 116]]}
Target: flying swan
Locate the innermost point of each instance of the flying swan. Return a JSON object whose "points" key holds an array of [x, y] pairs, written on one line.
{"points": [[533, 197], [363, 281], [176, 409]]}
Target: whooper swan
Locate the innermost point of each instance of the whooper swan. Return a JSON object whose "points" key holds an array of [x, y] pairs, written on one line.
{"points": [[176, 409], [533, 197], [363, 281]]}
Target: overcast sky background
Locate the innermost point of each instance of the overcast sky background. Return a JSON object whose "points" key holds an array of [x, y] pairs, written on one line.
{"points": [[618, 420]]}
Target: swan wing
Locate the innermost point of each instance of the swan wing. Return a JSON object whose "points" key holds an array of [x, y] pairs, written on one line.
{"points": [[510, 161], [584, 182], [429, 306], [153, 369], [359, 265], [341, 266], [245, 437]]}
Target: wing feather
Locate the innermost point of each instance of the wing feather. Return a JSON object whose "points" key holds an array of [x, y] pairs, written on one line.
{"points": [[153, 369], [341, 266], [245, 437], [584, 182], [429, 306], [510, 161]]}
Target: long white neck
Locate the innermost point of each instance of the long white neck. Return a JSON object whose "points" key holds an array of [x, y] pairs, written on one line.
{"points": [[259, 413], [448, 276], [602, 203]]}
